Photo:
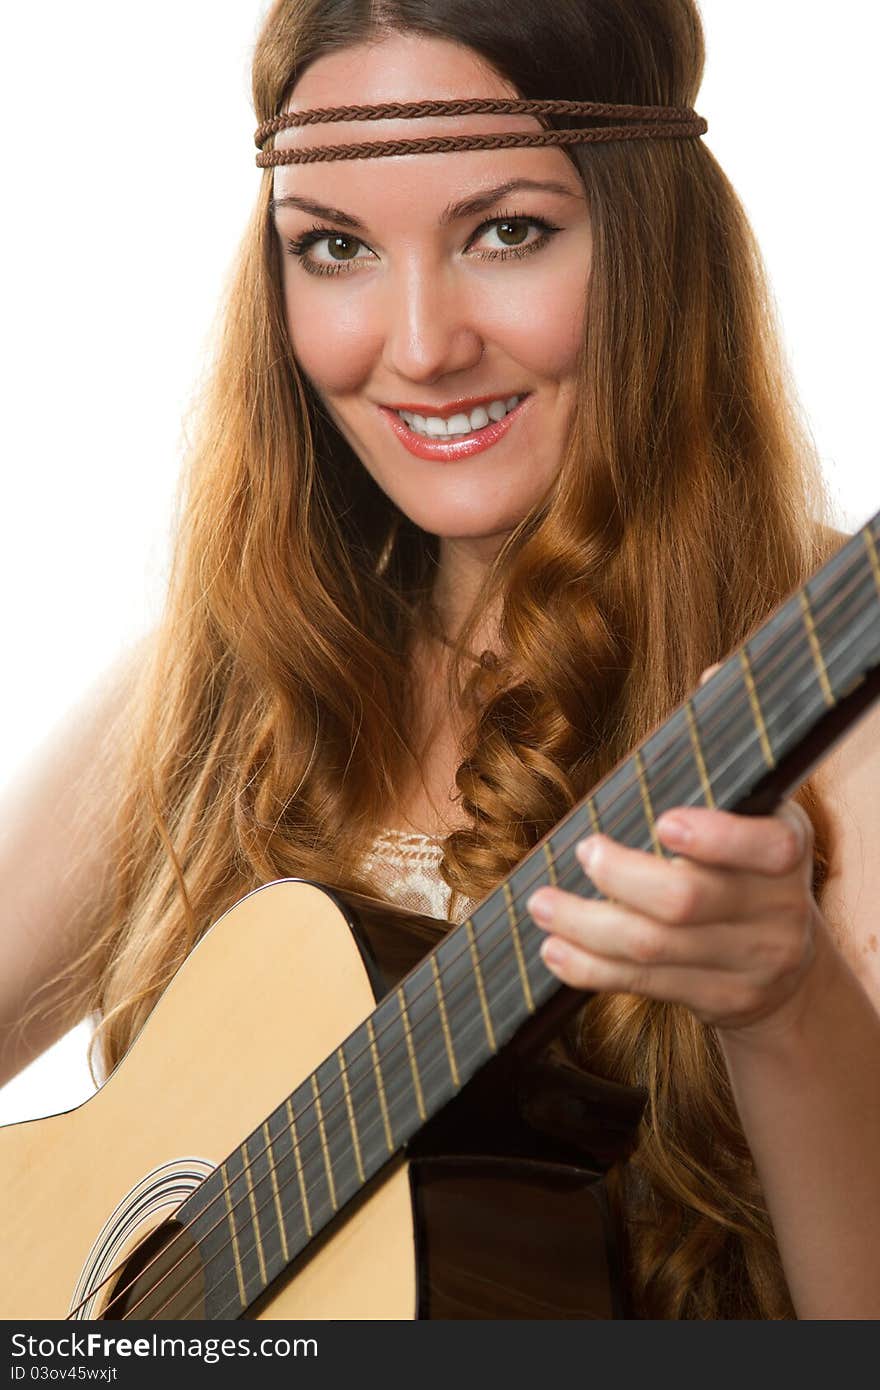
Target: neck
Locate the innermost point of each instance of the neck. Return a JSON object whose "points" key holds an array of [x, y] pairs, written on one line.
{"points": [[464, 567]]}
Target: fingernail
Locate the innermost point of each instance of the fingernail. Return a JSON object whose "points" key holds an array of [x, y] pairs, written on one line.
{"points": [[552, 952], [586, 851], [676, 828], [540, 905]]}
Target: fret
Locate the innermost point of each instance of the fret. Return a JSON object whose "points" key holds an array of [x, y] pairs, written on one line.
{"points": [[705, 782], [267, 1220], [205, 1213], [755, 705], [671, 759], [815, 648], [233, 1229], [401, 1090], [365, 1082], [255, 1220], [786, 675], [417, 1081], [340, 1158], [430, 1042], [213, 1219], [874, 558], [300, 1172], [551, 864], [481, 987], [318, 1110], [845, 595], [557, 851], [499, 966], [619, 806], [732, 755], [380, 1085], [286, 1178], [269, 1159], [646, 801], [249, 1249], [517, 946], [349, 1110], [444, 1022], [464, 996]]}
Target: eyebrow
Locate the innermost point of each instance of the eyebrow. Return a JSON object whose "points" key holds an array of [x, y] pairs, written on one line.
{"points": [[468, 207]]}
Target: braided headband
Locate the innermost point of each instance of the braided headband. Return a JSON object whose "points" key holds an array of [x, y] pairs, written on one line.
{"points": [[656, 123]]}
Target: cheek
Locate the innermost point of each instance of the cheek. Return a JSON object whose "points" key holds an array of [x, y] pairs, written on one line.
{"points": [[538, 323], [551, 338], [333, 334]]}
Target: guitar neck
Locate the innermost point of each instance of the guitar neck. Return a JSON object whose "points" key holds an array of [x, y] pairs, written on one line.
{"points": [[741, 742]]}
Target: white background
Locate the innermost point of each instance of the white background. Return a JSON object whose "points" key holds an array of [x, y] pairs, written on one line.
{"points": [[129, 176]]}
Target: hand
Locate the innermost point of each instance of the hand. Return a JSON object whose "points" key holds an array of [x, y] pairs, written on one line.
{"points": [[729, 926]]}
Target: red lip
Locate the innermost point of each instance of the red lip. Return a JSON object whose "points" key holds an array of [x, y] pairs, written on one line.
{"points": [[461, 406], [452, 450]]}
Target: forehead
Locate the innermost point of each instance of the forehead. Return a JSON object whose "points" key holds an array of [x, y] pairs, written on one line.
{"points": [[406, 67]]}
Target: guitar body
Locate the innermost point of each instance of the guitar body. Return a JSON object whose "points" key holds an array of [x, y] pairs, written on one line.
{"points": [[484, 1215]]}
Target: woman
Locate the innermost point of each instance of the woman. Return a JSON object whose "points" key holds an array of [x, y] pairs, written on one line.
{"points": [[392, 664]]}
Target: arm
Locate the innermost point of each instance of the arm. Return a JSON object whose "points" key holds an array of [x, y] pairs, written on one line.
{"points": [[730, 928], [807, 1086], [56, 821]]}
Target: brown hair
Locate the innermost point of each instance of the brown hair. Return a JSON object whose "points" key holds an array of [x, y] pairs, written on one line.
{"points": [[273, 715]]}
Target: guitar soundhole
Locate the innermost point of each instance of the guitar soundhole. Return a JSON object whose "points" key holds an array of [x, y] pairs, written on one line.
{"points": [[162, 1281]]}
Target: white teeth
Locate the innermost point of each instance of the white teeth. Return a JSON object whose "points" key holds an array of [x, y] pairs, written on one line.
{"points": [[435, 427]]}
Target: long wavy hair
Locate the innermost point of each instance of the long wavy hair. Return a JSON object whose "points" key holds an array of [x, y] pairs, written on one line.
{"points": [[272, 719]]}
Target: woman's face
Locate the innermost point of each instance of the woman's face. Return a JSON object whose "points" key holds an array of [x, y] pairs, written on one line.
{"points": [[440, 285]]}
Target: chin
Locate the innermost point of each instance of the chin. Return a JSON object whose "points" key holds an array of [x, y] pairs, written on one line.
{"points": [[457, 524]]}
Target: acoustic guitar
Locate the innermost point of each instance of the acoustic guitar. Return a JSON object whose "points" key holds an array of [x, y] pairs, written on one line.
{"points": [[341, 1110]]}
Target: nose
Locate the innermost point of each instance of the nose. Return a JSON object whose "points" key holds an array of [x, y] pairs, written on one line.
{"points": [[431, 330]]}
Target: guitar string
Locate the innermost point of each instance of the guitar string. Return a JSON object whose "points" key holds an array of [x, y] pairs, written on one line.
{"points": [[247, 1166], [728, 684]]}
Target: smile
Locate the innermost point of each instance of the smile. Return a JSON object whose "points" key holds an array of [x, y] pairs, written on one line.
{"points": [[457, 436]]}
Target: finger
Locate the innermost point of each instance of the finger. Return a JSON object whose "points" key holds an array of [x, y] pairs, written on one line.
{"points": [[678, 890], [774, 845], [709, 672], [614, 932], [714, 996]]}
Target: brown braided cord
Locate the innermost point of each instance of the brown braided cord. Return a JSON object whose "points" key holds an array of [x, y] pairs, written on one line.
{"points": [[503, 140], [663, 122]]}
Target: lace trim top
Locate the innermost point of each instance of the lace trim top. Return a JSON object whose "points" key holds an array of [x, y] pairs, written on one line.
{"points": [[404, 866]]}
